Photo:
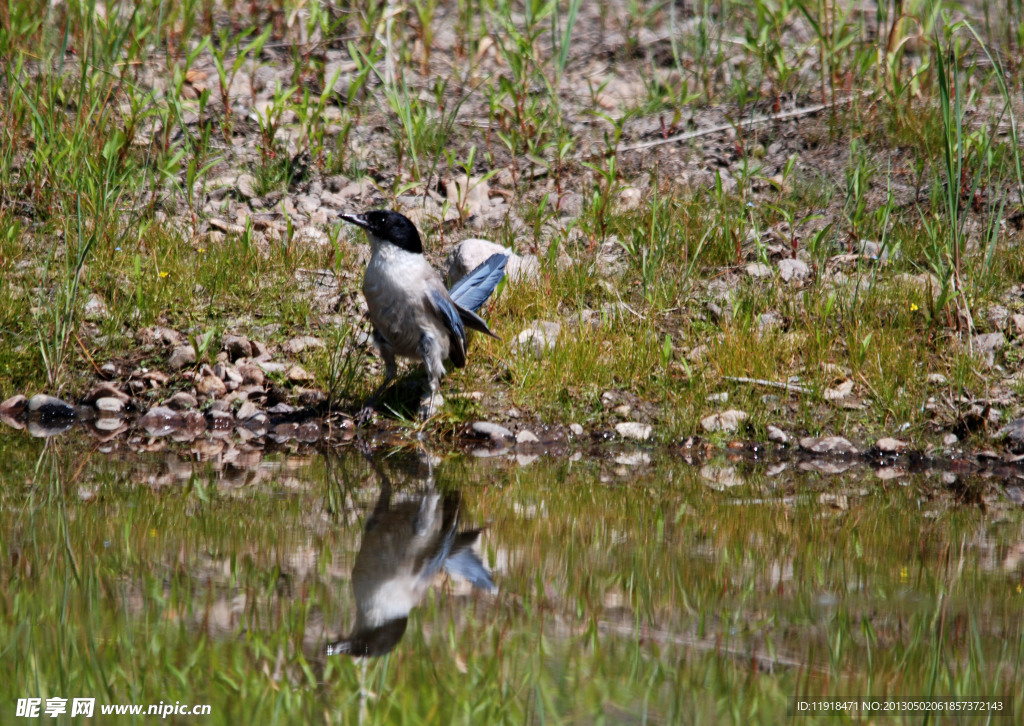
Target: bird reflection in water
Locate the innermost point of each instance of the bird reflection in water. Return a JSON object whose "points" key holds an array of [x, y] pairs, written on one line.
{"points": [[405, 545]]}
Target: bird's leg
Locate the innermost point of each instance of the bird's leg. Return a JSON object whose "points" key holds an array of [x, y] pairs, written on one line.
{"points": [[365, 414], [432, 400]]}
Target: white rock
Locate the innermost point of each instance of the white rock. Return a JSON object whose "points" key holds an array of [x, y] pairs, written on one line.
{"points": [[540, 337], [526, 437], [471, 253], [727, 421], [790, 269], [634, 430]]}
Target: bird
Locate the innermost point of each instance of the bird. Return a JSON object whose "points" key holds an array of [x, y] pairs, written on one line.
{"points": [[405, 545], [413, 314]]}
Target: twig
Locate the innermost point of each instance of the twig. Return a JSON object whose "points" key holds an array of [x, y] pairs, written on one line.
{"points": [[755, 121], [771, 384]]}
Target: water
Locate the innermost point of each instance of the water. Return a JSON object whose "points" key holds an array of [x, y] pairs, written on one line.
{"points": [[631, 586]]}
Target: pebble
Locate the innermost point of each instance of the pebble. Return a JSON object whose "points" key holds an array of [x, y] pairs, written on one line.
{"points": [[727, 421], [300, 343], [247, 410], [182, 401], [793, 270], [51, 407], [471, 253], [633, 458], [105, 390], [527, 437], [540, 337], [634, 430], [160, 421], [950, 439], [236, 347], [827, 445], [1013, 432], [183, 355], [14, 406], [890, 445], [251, 374], [211, 385], [495, 432], [777, 435], [576, 429], [246, 185], [109, 404], [298, 374]]}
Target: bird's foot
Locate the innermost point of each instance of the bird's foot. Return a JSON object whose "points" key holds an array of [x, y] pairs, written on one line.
{"points": [[430, 405], [365, 415]]}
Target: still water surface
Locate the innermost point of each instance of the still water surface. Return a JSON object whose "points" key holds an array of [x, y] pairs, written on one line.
{"points": [[628, 587]]}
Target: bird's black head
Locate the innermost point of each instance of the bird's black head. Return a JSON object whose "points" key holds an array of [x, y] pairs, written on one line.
{"points": [[371, 643], [389, 226]]}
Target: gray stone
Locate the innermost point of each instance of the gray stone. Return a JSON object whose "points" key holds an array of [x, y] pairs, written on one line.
{"points": [[950, 439], [236, 347], [827, 445], [183, 355], [1013, 433], [758, 269], [540, 337], [95, 308], [495, 432], [790, 270], [247, 410], [727, 421], [611, 258], [890, 445], [989, 342], [252, 374], [246, 185], [634, 430], [576, 429], [45, 406], [182, 401], [300, 343], [998, 317]]}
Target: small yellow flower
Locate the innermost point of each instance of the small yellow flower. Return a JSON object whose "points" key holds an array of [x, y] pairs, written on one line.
{"points": [[904, 574], [202, 250], [1020, 588], [913, 307], [164, 274]]}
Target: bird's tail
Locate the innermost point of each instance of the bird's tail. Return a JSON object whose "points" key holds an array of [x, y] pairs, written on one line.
{"points": [[473, 290]]}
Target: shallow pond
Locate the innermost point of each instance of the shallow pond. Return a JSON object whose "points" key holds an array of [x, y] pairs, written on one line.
{"points": [[628, 587]]}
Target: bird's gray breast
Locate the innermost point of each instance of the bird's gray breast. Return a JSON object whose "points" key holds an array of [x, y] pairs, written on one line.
{"points": [[396, 287]]}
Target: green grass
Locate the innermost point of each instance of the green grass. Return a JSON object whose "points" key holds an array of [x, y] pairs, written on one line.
{"points": [[114, 125]]}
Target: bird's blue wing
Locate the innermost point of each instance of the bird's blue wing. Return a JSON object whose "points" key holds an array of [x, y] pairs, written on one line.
{"points": [[465, 563], [449, 314], [472, 290]]}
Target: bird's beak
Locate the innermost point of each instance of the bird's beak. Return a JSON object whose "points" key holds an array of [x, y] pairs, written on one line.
{"points": [[356, 219]]}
